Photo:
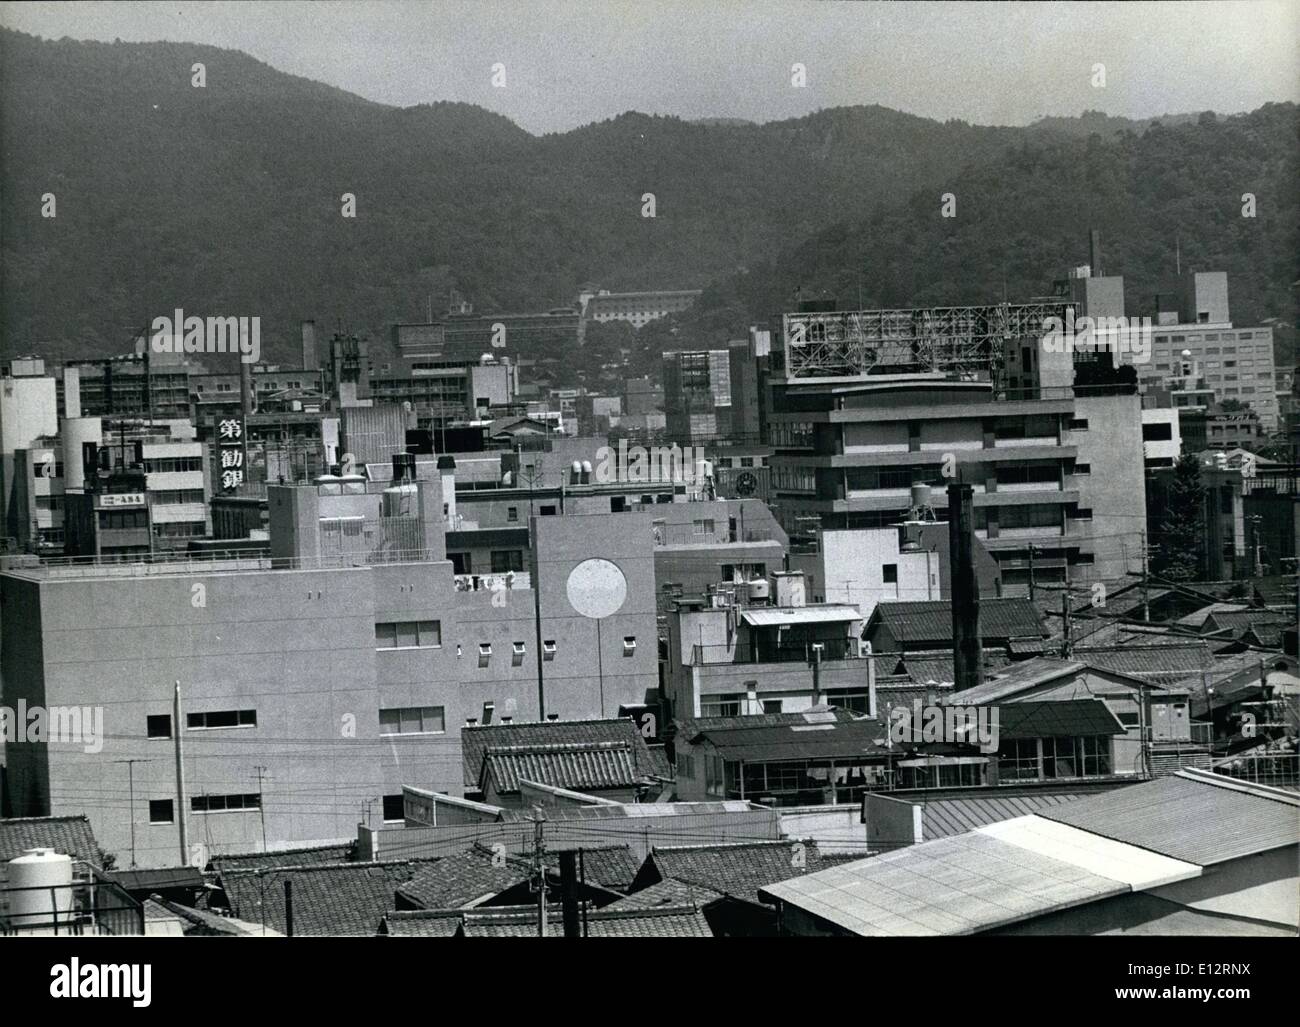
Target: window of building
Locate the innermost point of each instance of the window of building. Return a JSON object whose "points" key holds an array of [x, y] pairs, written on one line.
{"points": [[394, 808], [506, 560], [220, 719], [512, 513], [771, 705], [225, 803], [703, 527], [890, 571], [412, 720], [1082, 469], [1159, 431], [548, 649], [1078, 424], [548, 511], [159, 725], [629, 645], [408, 634], [161, 811]]}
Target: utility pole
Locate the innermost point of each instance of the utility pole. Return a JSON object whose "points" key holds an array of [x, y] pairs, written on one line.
{"points": [[1067, 641], [816, 661], [177, 729], [539, 866], [1031, 571], [130, 784], [261, 803], [1254, 525], [1146, 579]]}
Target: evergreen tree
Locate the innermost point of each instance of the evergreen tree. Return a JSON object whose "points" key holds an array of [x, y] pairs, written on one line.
{"points": [[1180, 554]]}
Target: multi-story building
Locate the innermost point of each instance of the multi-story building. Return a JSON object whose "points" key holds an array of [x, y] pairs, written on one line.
{"points": [[462, 338], [28, 413], [865, 404], [315, 682], [762, 648], [1193, 335], [636, 308], [697, 394]]}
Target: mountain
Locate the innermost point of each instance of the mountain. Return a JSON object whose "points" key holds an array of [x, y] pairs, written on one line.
{"points": [[226, 199]]}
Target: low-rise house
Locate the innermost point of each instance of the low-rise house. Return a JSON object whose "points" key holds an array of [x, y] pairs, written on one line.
{"points": [[1012, 625], [1162, 713], [723, 880]]}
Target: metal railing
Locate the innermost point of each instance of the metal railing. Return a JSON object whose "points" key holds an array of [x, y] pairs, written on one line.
{"points": [[756, 652], [1281, 770], [216, 562], [89, 905]]}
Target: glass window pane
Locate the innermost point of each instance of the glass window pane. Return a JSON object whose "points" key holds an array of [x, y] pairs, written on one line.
{"points": [[385, 635], [430, 632], [406, 634]]}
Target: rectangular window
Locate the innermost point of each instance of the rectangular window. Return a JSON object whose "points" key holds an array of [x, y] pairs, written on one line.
{"points": [[408, 634], [506, 560], [159, 725], [891, 573], [160, 811], [220, 719], [412, 720], [1078, 424], [771, 705], [394, 808], [512, 513], [548, 649], [1160, 431], [225, 803]]}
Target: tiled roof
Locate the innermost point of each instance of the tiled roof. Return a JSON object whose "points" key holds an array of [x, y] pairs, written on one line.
{"points": [[421, 923], [668, 892], [663, 922], [736, 869], [1195, 816], [1017, 678], [659, 765], [328, 899], [1159, 664], [936, 669], [153, 880], [475, 740], [71, 836], [607, 866], [576, 765], [340, 852], [463, 879], [931, 620], [200, 921]]}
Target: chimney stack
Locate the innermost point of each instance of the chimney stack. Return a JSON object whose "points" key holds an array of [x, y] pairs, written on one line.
{"points": [[967, 670], [310, 358], [1094, 252]]}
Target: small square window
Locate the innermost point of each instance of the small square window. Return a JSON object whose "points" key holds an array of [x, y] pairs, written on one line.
{"points": [[891, 573], [512, 513], [548, 649], [485, 648], [160, 811], [394, 808], [629, 645], [159, 725]]}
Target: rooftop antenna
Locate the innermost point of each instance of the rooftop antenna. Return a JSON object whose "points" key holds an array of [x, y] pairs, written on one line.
{"points": [[1178, 256]]}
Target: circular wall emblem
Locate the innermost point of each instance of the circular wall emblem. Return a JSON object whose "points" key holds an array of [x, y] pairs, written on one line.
{"points": [[746, 483], [597, 588]]}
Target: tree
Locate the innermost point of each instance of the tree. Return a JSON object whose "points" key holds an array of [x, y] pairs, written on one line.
{"points": [[1180, 553]]}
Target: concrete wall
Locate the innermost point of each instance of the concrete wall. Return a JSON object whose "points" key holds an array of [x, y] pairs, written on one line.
{"points": [[1115, 490]]}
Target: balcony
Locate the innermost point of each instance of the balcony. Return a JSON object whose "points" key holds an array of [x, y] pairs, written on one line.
{"points": [[493, 582], [755, 652]]}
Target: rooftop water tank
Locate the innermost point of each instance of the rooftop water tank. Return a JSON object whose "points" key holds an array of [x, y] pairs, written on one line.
{"points": [[43, 880]]}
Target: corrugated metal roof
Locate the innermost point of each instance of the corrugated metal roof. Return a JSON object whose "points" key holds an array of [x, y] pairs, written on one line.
{"points": [[800, 741], [958, 885], [575, 765], [1197, 817], [1067, 718], [771, 616], [1017, 678], [941, 818]]}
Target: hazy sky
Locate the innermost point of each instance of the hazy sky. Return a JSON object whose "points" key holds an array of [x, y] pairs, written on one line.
{"points": [[569, 63]]}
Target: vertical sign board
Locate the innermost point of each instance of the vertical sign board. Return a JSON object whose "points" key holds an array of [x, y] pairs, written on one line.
{"points": [[231, 452]]}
